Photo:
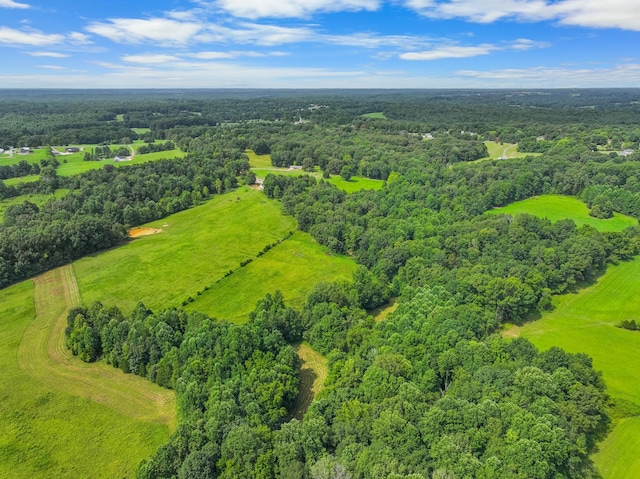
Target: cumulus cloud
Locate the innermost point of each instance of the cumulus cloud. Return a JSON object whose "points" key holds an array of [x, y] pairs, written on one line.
{"points": [[292, 8], [12, 4], [158, 30], [586, 13], [11, 36]]}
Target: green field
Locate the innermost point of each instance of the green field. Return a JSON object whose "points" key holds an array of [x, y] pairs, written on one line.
{"points": [[313, 373], [74, 163], [196, 248], [141, 131], [45, 431], [294, 267], [36, 199], [499, 151], [557, 207], [376, 114], [584, 322], [258, 161], [356, 183]]}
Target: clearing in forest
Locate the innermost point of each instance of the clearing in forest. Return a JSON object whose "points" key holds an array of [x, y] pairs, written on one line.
{"points": [[49, 427], [585, 322], [36, 199], [197, 248], [293, 267], [313, 372], [559, 207]]}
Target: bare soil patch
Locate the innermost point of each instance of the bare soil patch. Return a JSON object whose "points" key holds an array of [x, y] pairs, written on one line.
{"points": [[136, 232]]}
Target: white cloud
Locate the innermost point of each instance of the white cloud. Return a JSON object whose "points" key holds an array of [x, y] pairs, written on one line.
{"points": [[48, 54], [212, 55], [450, 52], [52, 67], [550, 77], [292, 8], [586, 13], [158, 30], [150, 59], [455, 51], [12, 4], [11, 36]]}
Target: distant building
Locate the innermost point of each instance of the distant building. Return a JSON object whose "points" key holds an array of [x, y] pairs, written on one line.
{"points": [[1, 151], [25, 150], [118, 159], [626, 152], [73, 149]]}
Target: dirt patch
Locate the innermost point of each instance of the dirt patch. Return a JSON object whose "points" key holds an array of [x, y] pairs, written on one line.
{"points": [[135, 232], [512, 332]]}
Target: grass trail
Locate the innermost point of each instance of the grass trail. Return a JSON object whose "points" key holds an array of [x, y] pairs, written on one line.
{"points": [[313, 372], [43, 356]]}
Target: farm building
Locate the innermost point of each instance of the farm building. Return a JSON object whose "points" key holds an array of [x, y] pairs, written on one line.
{"points": [[72, 149]]}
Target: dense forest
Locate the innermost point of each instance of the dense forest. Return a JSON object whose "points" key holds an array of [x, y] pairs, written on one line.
{"points": [[433, 391]]}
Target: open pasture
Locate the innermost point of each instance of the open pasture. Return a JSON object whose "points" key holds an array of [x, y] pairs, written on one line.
{"points": [[258, 161], [375, 114], [502, 151], [559, 207], [46, 430], [293, 267], [585, 322], [39, 200], [195, 248]]}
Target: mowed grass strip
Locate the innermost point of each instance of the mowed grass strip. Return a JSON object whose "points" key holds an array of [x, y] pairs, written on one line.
{"points": [[559, 207], [293, 267], [195, 248], [44, 430], [313, 373], [356, 183], [585, 322]]}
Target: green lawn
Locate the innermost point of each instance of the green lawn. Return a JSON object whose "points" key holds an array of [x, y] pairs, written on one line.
{"points": [[584, 322], [557, 207], [294, 267], [45, 432], [141, 131], [377, 114], [196, 248], [37, 199]]}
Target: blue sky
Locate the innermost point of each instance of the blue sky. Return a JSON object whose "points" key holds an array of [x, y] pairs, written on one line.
{"points": [[319, 43]]}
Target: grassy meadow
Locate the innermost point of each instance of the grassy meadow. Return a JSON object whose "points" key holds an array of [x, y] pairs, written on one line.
{"points": [[294, 267], [45, 431], [74, 163], [39, 200], [558, 207], [313, 372], [261, 166], [585, 322], [497, 151], [375, 114], [195, 248]]}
